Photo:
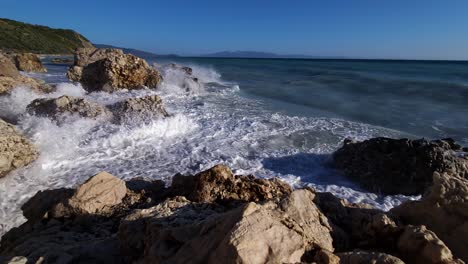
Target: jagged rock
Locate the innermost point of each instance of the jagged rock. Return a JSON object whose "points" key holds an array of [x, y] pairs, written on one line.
{"points": [[252, 233], [139, 110], [219, 184], [444, 210], [28, 62], [324, 256], [16, 151], [7, 68], [399, 166], [111, 69], [11, 78], [56, 108], [422, 246], [364, 257]]}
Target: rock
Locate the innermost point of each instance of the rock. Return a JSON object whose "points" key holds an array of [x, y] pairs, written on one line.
{"points": [[16, 151], [399, 166], [28, 62], [111, 69], [364, 257], [9, 83], [7, 68], [10, 78], [252, 233], [219, 184], [138, 110], [98, 194], [420, 245], [444, 210], [56, 108], [324, 256]]}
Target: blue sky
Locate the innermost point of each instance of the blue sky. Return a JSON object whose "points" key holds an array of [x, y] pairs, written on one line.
{"points": [[410, 29]]}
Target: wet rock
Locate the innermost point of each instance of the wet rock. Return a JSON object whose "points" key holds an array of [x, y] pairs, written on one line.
{"points": [[16, 151], [138, 110], [185, 69], [365, 257], [61, 61], [57, 108], [399, 166], [251, 233], [219, 184], [111, 69], [28, 62], [444, 210]]}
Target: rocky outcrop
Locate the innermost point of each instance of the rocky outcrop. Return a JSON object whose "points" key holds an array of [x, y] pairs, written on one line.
{"points": [[59, 108], [10, 78], [139, 110], [111, 69], [399, 166], [219, 184], [28, 62], [16, 151], [444, 210], [187, 70], [211, 216]]}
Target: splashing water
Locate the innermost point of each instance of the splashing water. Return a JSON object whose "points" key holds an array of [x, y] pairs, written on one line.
{"points": [[212, 123]]}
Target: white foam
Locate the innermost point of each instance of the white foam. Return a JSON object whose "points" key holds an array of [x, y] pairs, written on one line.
{"points": [[210, 127]]}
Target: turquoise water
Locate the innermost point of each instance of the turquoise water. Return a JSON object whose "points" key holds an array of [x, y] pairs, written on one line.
{"points": [[421, 98]]}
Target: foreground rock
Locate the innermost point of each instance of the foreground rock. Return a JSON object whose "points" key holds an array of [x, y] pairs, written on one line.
{"points": [[59, 108], [211, 217], [11, 78], [110, 69], [15, 150], [399, 166], [139, 110], [444, 210], [28, 62]]}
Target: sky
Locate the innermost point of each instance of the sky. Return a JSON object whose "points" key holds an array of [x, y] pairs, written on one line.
{"points": [[393, 29]]}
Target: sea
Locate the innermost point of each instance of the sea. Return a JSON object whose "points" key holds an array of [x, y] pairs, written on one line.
{"points": [[266, 117]]}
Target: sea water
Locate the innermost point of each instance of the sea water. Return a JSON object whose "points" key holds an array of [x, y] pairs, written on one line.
{"points": [[269, 118]]}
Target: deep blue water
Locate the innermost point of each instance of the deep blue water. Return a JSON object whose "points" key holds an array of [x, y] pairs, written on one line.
{"points": [[421, 98]]}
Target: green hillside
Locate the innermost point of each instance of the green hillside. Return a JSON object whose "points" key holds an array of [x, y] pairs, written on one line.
{"points": [[23, 37]]}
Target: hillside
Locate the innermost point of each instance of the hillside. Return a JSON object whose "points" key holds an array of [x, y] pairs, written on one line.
{"points": [[23, 37]]}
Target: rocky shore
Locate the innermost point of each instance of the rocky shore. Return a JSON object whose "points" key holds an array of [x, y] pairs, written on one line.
{"points": [[218, 217]]}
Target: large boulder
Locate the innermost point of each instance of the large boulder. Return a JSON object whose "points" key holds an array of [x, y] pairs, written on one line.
{"points": [[28, 62], [11, 78], [141, 109], [16, 151], [58, 108], [444, 210], [365, 257], [399, 166], [252, 233], [110, 69], [220, 184]]}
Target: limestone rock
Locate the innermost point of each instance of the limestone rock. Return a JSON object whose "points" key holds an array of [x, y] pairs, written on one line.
{"points": [[142, 109], [16, 151], [55, 108], [444, 210], [28, 62], [111, 69], [219, 184], [8, 83], [365, 257], [7, 68], [252, 233], [399, 166]]}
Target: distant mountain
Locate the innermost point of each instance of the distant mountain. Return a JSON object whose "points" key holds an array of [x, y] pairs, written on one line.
{"points": [[17, 36], [138, 53], [258, 54]]}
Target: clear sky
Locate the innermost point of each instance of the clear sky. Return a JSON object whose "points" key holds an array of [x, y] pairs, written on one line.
{"points": [[411, 29]]}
